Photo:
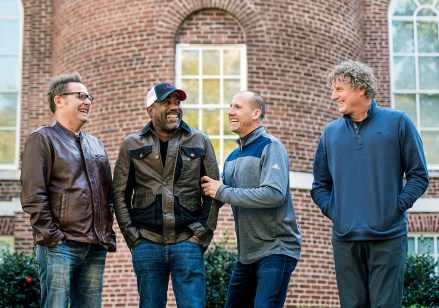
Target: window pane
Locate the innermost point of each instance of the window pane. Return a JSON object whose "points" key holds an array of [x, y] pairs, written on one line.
{"points": [[6, 244], [190, 116], [216, 147], [229, 146], [189, 62], [8, 109], [9, 8], [211, 62], [428, 36], [232, 62], [426, 12], [429, 73], [231, 87], [211, 120], [403, 36], [404, 7], [404, 73], [7, 147], [190, 86], [211, 91], [431, 146], [9, 81], [9, 36], [426, 245], [407, 103], [226, 124], [429, 108], [411, 245]]}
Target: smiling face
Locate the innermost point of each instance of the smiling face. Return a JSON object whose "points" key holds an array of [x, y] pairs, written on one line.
{"points": [[71, 112], [351, 102], [166, 115], [244, 116]]}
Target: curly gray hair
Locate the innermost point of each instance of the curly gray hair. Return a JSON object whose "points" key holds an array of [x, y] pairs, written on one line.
{"points": [[58, 86], [358, 75]]}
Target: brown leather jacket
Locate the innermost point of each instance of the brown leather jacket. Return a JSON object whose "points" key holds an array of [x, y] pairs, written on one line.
{"points": [[164, 203], [66, 188]]}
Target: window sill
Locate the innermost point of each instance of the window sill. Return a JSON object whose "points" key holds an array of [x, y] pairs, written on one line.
{"points": [[13, 175]]}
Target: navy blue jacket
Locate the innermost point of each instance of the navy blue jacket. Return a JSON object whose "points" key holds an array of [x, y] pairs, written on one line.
{"points": [[359, 174]]}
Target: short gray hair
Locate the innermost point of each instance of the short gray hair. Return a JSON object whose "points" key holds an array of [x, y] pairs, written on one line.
{"points": [[58, 86], [358, 75], [257, 100]]}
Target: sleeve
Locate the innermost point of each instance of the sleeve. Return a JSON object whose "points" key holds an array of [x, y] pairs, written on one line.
{"points": [[414, 164], [322, 184], [273, 185], [123, 180], [204, 228], [35, 177]]}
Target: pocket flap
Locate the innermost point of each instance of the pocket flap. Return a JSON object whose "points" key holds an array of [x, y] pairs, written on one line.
{"points": [[193, 152], [141, 152]]}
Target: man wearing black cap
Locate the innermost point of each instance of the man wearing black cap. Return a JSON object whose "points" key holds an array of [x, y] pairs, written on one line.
{"points": [[166, 221]]}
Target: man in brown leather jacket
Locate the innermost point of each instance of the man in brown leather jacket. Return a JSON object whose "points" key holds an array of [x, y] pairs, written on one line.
{"points": [[162, 213], [66, 188]]}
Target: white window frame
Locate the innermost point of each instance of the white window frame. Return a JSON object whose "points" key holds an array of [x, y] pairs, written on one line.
{"points": [[417, 92], [243, 74], [418, 235], [5, 169]]}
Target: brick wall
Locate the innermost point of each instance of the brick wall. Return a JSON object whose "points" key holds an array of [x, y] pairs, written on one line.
{"points": [[9, 189], [122, 47]]}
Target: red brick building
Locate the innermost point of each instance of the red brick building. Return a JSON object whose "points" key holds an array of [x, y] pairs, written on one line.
{"points": [[213, 48]]}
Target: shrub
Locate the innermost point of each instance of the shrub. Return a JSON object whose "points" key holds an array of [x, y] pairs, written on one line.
{"points": [[19, 283], [421, 282], [219, 262]]}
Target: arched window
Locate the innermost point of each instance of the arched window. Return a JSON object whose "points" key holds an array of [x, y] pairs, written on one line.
{"points": [[414, 50], [10, 79], [211, 75]]}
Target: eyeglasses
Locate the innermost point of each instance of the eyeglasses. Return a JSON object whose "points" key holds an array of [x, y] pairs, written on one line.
{"points": [[81, 95]]}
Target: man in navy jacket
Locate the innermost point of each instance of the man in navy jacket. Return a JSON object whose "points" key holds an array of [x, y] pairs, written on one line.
{"points": [[359, 170]]}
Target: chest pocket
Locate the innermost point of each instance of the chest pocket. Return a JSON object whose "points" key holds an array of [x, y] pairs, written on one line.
{"points": [[140, 153], [192, 159]]}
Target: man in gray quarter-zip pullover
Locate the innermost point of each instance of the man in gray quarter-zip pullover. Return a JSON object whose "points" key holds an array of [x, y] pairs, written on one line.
{"points": [[256, 184]]}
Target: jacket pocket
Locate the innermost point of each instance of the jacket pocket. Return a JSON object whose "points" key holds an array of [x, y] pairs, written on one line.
{"points": [[143, 199], [141, 152], [191, 160]]}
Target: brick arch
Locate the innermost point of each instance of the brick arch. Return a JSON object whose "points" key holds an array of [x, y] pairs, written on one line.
{"points": [[179, 11], [210, 26]]}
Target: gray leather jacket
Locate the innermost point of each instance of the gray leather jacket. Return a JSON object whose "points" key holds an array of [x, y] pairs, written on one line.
{"points": [[66, 188], [165, 204]]}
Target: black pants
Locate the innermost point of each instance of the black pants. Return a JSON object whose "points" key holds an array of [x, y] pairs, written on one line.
{"points": [[370, 273]]}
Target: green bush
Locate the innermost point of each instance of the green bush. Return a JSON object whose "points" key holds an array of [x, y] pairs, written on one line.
{"points": [[219, 262], [19, 283], [421, 282]]}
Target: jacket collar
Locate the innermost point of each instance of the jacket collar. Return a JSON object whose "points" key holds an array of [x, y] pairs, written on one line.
{"points": [[252, 136], [67, 131], [149, 128], [373, 109]]}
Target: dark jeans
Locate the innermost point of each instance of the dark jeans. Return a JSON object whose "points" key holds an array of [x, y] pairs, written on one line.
{"points": [[71, 273], [262, 284], [153, 263], [370, 273]]}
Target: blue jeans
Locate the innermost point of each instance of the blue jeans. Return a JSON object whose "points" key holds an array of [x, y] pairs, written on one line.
{"points": [[262, 284], [154, 262], [71, 273]]}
